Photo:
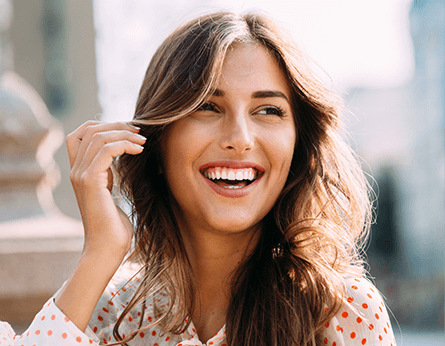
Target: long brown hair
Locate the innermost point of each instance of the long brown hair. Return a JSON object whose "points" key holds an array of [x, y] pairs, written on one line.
{"points": [[293, 281]]}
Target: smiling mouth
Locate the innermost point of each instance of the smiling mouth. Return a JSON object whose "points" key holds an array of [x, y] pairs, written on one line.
{"points": [[231, 178]]}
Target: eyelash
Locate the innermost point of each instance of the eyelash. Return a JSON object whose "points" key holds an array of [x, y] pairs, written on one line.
{"points": [[208, 106], [279, 111]]}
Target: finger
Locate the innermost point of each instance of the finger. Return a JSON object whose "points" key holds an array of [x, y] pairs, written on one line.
{"points": [[100, 139], [74, 139], [96, 174], [85, 133]]}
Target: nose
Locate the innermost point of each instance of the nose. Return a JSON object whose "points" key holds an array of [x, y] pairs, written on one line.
{"points": [[237, 134]]}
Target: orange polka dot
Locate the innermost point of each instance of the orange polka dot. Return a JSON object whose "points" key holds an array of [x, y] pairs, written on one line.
{"points": [[325, 341], [124, 289], [339, 329], [381, 310], [380, 338], [359, 320], [110, 302], [50, 332], [326, 309], [37, 332], [377, 316], [79, 339], [371, 327], [155, 344], [141, 334], [105, 310], [66, 319], [153, 333], [123, 335], [149, 318], [353, 335], [327, 325], [95, 329], [344, 314], [350, 299], [224, 345], [354, 287], [130, 318], [385, 330], [364, 306], [334, 344], [64, 335], [211, 343], [167, 338], [90, 341], [43, 317], [27, 334], [370, 296], [100, 318], [371, 289], [364, 342]]}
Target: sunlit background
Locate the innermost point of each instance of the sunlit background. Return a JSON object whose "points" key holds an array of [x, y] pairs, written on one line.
{"points": [[386, 58]]}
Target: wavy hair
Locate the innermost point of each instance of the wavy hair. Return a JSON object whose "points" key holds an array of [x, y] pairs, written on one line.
{"points": [[292, 283]]}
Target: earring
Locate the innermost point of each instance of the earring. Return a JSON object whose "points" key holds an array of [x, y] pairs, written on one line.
{"points": [[277, 251]]}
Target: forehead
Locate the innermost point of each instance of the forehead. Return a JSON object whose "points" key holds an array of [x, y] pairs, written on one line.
{"points": [[251, 65]]}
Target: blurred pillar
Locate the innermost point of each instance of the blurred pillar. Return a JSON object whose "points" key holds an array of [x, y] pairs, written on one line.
{"points": [[38, 244]]}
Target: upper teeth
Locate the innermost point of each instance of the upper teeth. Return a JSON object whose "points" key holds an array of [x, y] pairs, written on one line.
{"points": [[230, 173]]}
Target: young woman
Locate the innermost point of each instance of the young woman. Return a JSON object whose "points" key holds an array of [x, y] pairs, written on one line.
{"points": [[248, 207]]}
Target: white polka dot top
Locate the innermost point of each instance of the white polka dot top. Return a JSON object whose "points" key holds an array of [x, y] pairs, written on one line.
{"points": [[364, 321]]}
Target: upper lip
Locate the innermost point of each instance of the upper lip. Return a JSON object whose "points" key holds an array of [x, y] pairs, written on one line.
{"points": [[232, 164]]}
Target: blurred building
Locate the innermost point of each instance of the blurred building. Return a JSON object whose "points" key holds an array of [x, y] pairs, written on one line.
{"points": [[399, 133], [48, 88]]}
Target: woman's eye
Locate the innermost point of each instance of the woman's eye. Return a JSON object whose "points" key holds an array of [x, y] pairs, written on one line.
{"points": [[207, 107], [272, 111]]}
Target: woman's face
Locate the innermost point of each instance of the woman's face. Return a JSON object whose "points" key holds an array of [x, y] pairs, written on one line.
{"points": [[227, 162]]}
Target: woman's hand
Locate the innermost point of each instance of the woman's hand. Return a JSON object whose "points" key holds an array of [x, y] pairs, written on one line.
{"points": [[91, 149], [108, 232]]}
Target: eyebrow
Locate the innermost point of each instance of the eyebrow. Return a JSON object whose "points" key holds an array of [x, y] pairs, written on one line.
{"points": [[261, 94]]}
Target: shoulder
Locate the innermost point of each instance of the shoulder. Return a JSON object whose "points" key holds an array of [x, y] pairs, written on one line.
{"points": [[363, 318], [114, 300]]}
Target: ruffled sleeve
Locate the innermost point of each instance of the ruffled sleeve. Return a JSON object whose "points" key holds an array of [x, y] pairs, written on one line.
{"points": [[363, 321], [51, 327]]}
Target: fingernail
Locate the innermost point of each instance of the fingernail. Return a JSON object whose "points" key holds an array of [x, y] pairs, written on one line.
{"points": [[140, 136], [135, 127]]}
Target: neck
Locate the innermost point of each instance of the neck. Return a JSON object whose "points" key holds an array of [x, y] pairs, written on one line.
{"points": [[214, 257]]}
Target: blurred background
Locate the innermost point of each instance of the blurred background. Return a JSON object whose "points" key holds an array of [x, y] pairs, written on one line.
{"points": [[64, 62]]}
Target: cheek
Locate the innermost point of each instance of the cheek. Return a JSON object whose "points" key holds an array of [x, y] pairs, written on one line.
{"points": [[283, 146]]}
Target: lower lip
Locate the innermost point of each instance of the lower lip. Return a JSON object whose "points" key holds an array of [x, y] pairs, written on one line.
{"points": [[232, 193]]}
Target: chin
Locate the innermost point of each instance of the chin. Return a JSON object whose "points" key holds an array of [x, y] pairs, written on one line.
{"points": [[234, 226]]}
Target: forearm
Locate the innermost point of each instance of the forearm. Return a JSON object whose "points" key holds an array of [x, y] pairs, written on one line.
{"points": [[82, 291]]}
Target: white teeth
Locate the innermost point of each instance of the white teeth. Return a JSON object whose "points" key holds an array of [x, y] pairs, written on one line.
{"points": [[246, 175], [225, 173]]}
